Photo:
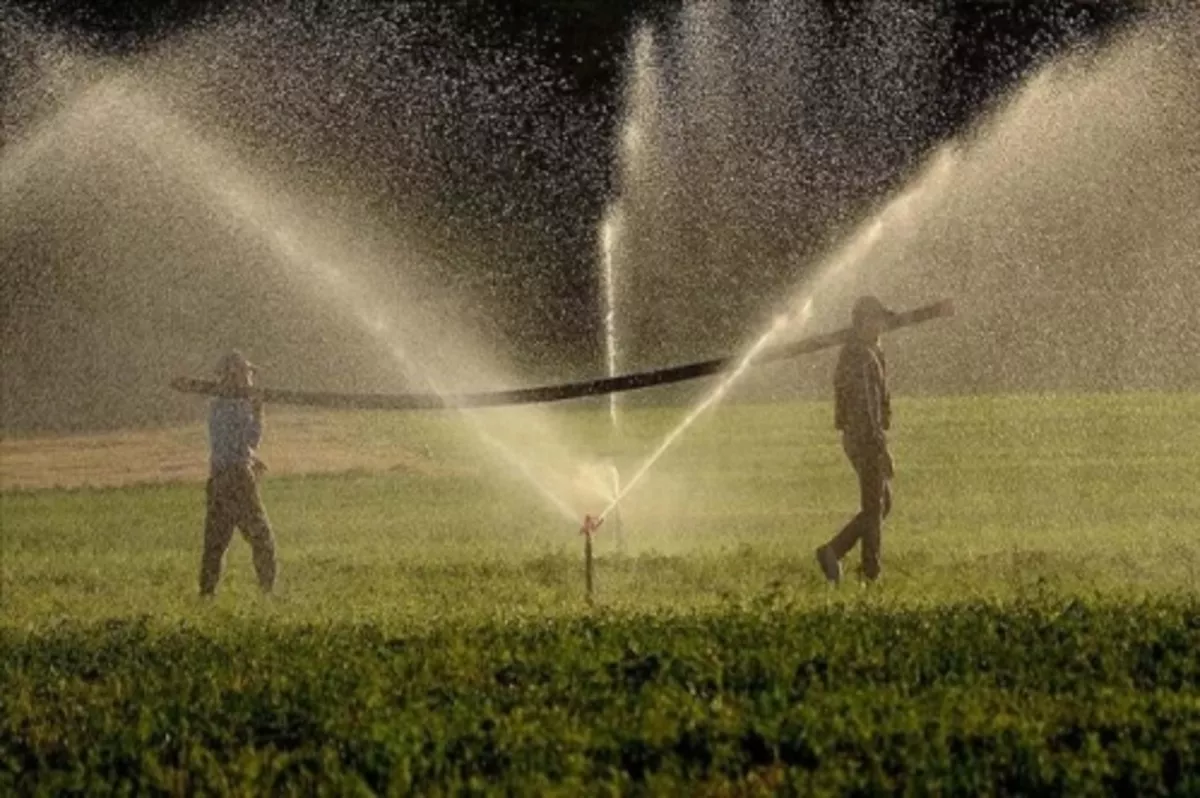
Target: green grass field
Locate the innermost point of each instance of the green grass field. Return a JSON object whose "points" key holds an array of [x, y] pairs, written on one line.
{"points": [[1037, 618]]}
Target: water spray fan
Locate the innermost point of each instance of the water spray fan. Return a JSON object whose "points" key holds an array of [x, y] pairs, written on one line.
{"points": [[563, 391]]}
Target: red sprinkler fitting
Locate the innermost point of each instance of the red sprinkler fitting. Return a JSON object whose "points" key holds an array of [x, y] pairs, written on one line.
{"points": [[590, 525]]}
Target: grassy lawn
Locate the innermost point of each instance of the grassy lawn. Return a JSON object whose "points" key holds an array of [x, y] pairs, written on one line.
{"points": [[995, 496]]}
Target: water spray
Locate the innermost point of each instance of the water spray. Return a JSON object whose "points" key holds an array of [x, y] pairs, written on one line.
{"points": [[166, 139], [610, 232], [617, 526], [780, 322]]}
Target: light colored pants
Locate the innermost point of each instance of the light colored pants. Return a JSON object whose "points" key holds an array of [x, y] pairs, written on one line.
{"points": [[234, 501], [875, 500]]}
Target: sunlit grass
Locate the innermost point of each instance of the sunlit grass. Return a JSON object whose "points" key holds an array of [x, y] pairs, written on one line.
{"points": [[995, 497]]}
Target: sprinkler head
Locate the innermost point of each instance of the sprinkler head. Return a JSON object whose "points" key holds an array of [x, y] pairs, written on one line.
{"points": [[590, 525]]}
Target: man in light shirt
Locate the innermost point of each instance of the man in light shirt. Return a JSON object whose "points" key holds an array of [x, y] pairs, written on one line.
{"points": [[235, 424]]}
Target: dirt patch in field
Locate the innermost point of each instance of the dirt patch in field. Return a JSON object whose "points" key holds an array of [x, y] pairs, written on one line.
{"points": [[293, 444]]}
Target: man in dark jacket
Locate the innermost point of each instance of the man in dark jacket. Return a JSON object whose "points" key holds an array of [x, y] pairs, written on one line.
{"points": [[235, 425], [862, 411]]}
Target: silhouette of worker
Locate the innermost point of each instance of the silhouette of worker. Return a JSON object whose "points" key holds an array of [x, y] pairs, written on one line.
{"points": [[862, 411], [235, 425]]}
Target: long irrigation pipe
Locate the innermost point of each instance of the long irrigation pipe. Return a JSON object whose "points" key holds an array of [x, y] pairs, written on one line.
{"points": [[562, 391]]}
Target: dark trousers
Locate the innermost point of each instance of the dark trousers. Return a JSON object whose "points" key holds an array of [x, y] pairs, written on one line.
{"points": [[234, 502], [875, 502]]}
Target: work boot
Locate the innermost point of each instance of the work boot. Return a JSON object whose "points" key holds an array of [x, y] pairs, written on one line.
{"points": [[829, 564]]}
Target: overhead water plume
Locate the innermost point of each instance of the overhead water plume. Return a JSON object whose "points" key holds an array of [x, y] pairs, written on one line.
{"points": [[1065, 222], [429, 117], [191, 251], [749, 130], [610, 236], [1068, 235], [387, 122], [636, 136]]}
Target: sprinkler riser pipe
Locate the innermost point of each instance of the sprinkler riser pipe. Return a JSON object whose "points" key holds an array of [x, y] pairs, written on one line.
{"points": [[588, 567]]}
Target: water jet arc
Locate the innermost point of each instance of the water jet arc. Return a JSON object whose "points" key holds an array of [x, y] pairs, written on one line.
{"points": [[562, 391]]}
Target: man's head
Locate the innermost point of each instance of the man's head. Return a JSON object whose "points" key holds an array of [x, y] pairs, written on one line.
{"points": [[234, 371], [870, 318]]}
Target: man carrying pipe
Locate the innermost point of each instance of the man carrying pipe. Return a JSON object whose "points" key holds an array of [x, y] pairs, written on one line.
{"points": [[862, 411], [235, 424]]}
